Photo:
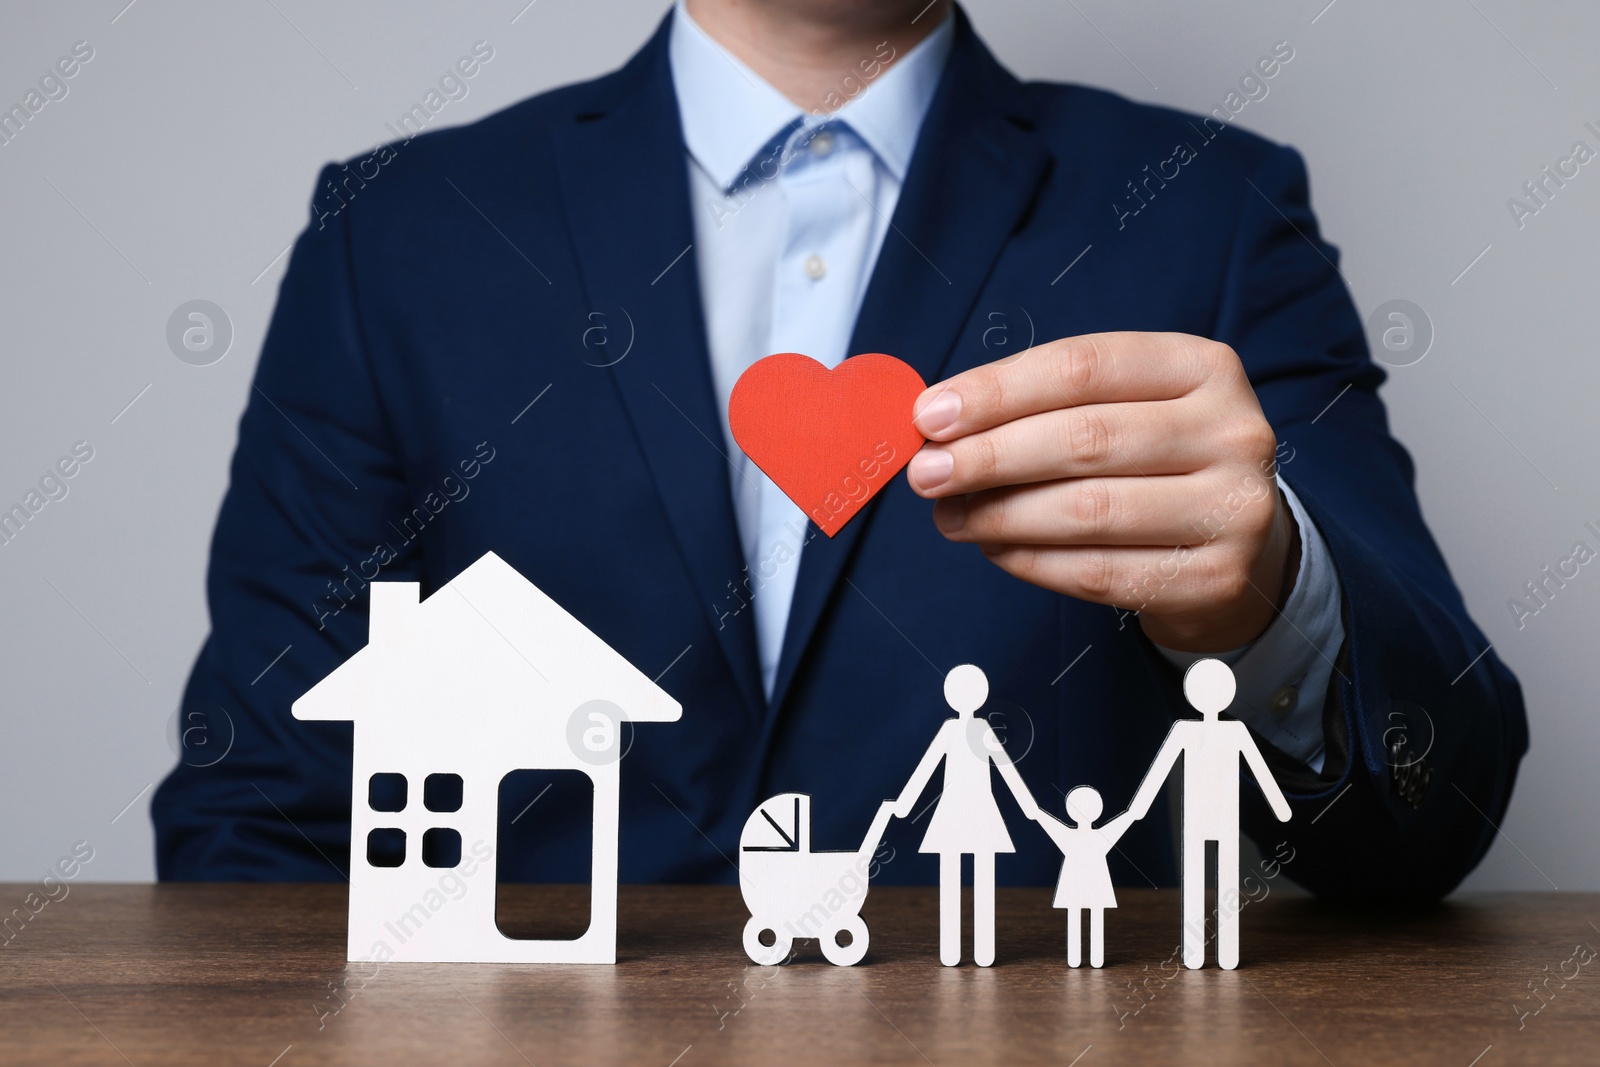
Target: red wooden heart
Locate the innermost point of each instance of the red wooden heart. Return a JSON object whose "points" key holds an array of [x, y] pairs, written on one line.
{"points": [[830, 439]]}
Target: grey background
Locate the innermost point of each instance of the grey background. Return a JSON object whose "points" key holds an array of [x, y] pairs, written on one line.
{"points": [[179, 167]]}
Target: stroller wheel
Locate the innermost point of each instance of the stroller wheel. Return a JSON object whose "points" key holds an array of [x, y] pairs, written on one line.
{"points": [[765, 955], [847, 955]]}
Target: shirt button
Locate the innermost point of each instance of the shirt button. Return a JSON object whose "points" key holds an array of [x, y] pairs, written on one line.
{"points": [[1284, 700], [822, 143], [815, 268]]}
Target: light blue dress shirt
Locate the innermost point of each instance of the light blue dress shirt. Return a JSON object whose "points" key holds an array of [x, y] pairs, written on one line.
{"points": [[790, 210]]}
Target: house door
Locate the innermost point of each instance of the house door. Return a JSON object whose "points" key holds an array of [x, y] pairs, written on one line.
{"points": [[545, 854]]}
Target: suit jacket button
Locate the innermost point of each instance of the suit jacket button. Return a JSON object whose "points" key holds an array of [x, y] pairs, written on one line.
{"points": [[1411, 776]]}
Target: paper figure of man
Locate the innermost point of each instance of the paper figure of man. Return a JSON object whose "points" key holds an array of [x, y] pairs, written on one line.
{"points": [[1211, 749]]}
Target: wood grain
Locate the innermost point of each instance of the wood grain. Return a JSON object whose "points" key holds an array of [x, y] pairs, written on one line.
{"points": [[225, 974]]}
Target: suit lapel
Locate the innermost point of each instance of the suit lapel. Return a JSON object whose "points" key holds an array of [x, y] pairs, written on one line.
{"points": [[973, 176], [625, 185]]}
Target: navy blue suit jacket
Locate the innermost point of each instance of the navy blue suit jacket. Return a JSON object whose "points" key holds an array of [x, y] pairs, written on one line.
{"points": [[445, 283]]}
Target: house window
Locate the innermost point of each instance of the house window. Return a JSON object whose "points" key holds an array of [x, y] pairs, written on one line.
{"points": [[442, 792], [441, 847], [387, 792], [386, 847]]}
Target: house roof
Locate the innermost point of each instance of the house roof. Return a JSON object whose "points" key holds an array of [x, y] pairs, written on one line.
{"points": [[487, 631]]}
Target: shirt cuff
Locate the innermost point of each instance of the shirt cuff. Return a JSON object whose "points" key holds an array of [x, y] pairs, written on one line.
{"points": [[1283, 674]]}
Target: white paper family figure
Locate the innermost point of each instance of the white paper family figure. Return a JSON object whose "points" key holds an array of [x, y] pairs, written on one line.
{"points": [[1211, 749], [794, 892], [966, 819], [485, 677], [1085, 882]]}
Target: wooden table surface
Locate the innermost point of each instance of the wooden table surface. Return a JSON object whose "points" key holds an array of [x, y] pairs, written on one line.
{"points": [[234, 974]]}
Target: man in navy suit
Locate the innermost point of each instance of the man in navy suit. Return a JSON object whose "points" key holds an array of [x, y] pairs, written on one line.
{"points": [[1155, 435]]}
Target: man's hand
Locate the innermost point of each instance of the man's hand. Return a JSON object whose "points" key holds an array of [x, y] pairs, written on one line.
{"points": [[1131, 469]]}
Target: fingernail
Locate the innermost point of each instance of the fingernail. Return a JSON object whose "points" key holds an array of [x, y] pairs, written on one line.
{"points": [[940, 413], [930, 468], [950, 515]]}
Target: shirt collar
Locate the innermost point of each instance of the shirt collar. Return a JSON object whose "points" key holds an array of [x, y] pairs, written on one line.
{"points": [[730, 113]]}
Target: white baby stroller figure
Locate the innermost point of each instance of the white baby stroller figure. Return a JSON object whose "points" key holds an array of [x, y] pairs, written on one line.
{"points": [[1085, 882], [794, 892]]}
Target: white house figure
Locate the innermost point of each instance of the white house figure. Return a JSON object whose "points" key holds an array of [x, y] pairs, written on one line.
{"points": [[485, 677]]}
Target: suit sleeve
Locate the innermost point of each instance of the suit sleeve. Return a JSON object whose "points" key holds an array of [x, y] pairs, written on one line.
{"points": [[1424, 727], [314, 483]]}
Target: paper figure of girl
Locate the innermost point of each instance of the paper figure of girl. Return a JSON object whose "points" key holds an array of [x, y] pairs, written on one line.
{"points": [[1085, 882], [966, 819]]}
